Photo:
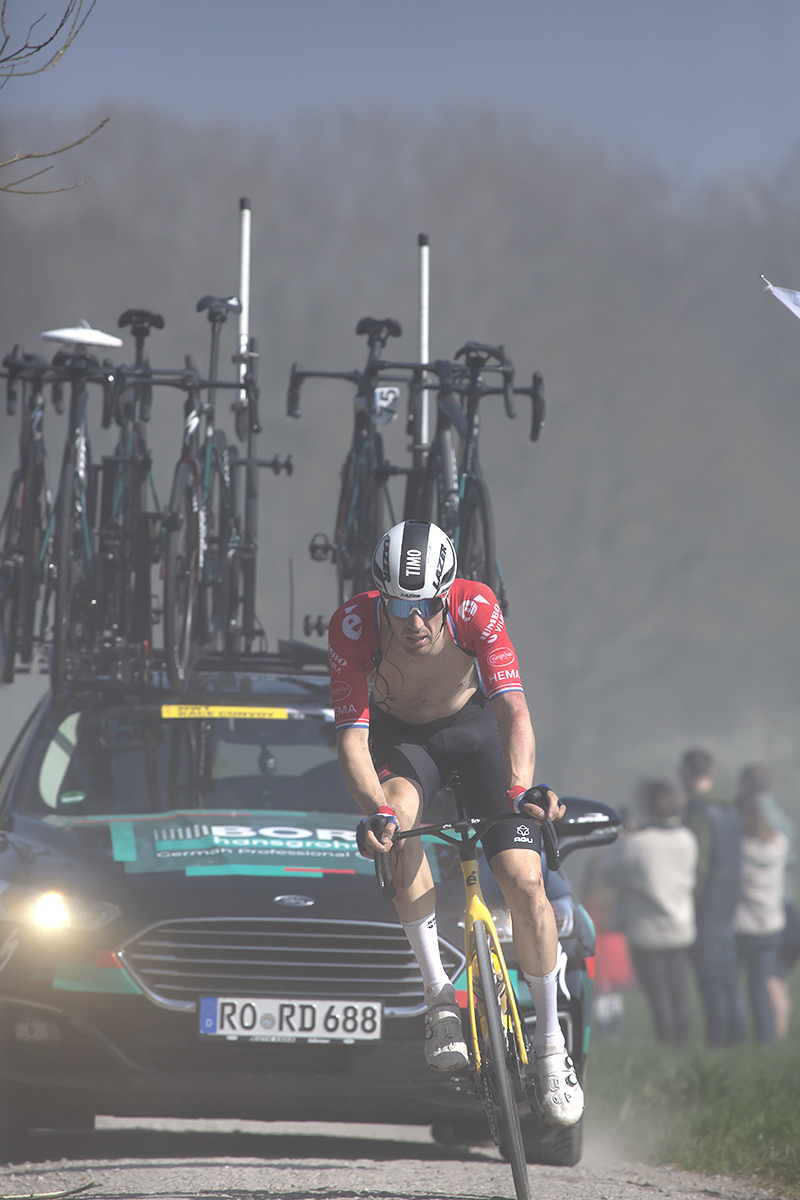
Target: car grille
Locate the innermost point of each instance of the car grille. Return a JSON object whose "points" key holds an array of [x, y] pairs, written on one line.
{"points": [[174, 962]]}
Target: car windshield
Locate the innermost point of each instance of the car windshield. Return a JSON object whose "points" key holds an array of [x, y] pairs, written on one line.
{"points": [[150, 759]]}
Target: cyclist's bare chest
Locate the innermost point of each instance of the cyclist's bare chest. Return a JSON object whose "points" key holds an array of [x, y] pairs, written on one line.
{"points": [[425, 687]]}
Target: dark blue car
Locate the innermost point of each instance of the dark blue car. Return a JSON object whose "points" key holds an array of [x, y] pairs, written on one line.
{"points": [[187, 929]]}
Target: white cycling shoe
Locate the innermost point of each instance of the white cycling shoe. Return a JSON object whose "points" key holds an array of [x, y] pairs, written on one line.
{"points": [[560, 1094], [445, 1048]]}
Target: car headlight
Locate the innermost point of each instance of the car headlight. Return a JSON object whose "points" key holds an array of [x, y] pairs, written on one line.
{"points": [[55, 910]]}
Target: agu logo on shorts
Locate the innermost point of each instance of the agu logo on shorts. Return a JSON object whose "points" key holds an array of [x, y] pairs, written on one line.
{"points": [[499, 658]]}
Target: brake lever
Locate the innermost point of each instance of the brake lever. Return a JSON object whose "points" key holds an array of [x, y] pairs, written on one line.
{"points": [[550, 845]]}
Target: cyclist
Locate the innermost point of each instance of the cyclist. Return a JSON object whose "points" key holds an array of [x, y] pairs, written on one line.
{"points": [[413, 665]]}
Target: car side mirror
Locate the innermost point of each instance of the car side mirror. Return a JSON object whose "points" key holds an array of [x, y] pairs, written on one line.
{"points": [[586, 823]]}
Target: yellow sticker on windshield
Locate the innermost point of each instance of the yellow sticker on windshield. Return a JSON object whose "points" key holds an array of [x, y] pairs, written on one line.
{"points": [[189, 712]]}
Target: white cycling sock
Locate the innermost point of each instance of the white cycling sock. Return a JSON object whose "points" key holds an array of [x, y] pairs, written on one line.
{"points": [[423, 937], [547, 1037]]}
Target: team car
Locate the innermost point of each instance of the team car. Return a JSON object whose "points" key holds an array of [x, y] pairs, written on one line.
{"points": [[187, 928]]}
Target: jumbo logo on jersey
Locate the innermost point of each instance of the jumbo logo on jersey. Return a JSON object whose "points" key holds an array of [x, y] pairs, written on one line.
{"points": [[351, 624], [499, 657]]}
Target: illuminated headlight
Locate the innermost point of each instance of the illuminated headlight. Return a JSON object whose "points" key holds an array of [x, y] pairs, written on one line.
{"points": [[564, 908], [55, 910]]}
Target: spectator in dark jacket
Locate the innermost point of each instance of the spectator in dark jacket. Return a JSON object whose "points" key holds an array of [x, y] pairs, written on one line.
{"points": [[715, 823]]}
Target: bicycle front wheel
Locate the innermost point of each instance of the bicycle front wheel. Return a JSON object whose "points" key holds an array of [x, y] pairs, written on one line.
{"points": [[183, 567], [496, 1087], [476, 549]]}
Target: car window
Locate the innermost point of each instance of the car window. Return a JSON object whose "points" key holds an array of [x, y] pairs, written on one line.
{"points": [[119, 761]]}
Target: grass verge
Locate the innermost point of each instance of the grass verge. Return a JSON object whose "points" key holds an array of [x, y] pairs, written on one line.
{"points": [[731, 1112]]}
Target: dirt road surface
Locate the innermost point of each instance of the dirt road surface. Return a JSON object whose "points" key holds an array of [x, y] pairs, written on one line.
{"points": [[237, 1160]]}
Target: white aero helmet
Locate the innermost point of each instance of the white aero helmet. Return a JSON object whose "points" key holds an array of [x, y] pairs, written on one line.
{"points": [[413, 566]]}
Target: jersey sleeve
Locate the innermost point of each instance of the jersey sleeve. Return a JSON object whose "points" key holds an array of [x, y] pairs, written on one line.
{"points": [[351, 644], [481, 630]]}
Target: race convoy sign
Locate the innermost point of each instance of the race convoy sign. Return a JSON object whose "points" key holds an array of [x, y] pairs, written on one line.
{"points": [[193, 712]]}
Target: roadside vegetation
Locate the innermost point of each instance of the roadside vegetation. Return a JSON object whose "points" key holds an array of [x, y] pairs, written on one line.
{"points": [[732, 1112]]}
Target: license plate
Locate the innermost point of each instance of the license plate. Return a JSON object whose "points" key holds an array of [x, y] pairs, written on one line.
{"points": [[290, 1020]]}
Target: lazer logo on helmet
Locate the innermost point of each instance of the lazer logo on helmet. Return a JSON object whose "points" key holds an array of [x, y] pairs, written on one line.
{"points": [[440, 566]]}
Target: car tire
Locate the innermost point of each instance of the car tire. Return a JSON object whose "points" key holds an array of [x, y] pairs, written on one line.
{"points": [[462, 1132], [13, 1125], [552, 1147]]}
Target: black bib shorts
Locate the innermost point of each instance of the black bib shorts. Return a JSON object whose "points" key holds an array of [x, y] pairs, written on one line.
{"points": [[468, 742]]}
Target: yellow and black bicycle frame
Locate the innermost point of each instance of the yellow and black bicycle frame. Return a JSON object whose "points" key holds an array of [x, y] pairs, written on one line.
{"points": [[475, 909]]}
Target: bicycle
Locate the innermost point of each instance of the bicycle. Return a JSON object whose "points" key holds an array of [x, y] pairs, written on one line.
{"points": [[203, 547], [25, 526], [365, 473], [500, 1048], [126, 545], [74, 621], [455, 493]]}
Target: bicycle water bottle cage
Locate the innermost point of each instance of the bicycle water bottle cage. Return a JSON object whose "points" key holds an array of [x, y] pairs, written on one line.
{"points": [[377, 331], [218, 307]]}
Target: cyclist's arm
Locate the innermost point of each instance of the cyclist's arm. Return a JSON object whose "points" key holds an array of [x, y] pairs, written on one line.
{"points": [[519, 746], [358, 771], [361, 779]]}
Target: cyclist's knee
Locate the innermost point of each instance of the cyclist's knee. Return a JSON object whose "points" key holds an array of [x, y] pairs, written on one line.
{"points": [[404, 797]]}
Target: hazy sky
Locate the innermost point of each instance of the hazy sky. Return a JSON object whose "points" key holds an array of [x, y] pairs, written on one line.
{"points": [[701, 86]]}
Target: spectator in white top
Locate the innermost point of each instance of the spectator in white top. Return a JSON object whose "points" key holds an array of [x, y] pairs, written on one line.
{"points": [[760, 915], [654, 869]]}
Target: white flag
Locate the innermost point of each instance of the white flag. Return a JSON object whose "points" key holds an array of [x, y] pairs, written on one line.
{"points": [[786, 296]]}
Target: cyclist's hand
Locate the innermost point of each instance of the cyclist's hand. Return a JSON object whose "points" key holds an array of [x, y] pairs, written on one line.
{"points": [[374, 833], [537, 802]]}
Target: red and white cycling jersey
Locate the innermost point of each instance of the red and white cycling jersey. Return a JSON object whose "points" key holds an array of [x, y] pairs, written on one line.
{"points": [[476, 626]]}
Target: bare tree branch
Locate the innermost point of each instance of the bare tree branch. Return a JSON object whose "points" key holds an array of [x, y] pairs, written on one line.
{"points": [[22, 59], [19, 157]]}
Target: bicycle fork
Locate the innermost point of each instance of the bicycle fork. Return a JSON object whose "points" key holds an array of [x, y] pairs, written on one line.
{"points": [[476, 910]]}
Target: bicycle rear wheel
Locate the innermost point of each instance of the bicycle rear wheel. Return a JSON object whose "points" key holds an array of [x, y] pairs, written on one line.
{"points": [[72, 623], [476, 547], [183, 568], [496, 1087], [217, 591], [359, 521], [439, 494], [10, 579]]}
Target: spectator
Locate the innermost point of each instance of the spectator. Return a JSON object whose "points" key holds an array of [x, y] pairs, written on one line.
{"points": [[760, 915], [757, 778], [653, 869], [715, 823]]}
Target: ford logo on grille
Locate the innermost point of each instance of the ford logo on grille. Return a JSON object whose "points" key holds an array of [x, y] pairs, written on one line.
{"points": [[294, 901]]}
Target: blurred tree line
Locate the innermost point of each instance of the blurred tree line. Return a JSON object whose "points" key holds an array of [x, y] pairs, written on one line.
{"points": [[650, 541]]}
